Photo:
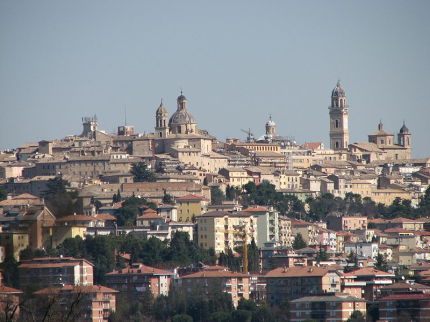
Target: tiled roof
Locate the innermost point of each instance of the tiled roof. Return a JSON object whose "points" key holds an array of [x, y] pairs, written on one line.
{"points": [[305, 271], [332, 298], [77, 217], [76, 289], [8, 290], [368, 271], [190, 198], [256, 209], [138, 268], [411, 296], [215, 274]]}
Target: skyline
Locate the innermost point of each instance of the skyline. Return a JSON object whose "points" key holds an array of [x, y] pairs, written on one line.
{"points": [[236, 63]]}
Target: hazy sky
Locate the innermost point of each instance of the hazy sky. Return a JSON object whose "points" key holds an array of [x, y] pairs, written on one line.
{"points": [[236, 61]]}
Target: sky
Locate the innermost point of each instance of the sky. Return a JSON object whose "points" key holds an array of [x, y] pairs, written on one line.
{"points": [[237, 62]]}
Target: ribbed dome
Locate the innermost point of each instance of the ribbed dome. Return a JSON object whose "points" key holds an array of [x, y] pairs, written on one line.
{"points": [[182, 117], [338, 91]]}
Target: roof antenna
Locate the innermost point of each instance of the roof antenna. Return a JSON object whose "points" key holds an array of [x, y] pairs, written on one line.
{"points": [[125, 115]]}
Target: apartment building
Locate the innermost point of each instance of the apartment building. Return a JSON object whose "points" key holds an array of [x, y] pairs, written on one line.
{"points": [[223, 230], [330, 308], [235, 284], [55, 271], [289, 283], [140, 278], [91, 303]]}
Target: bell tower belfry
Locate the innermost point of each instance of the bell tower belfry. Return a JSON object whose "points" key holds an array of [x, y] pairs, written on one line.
{"points": [[161, 125], [339, 132]]}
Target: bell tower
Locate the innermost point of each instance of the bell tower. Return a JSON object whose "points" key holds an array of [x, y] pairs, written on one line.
{"points": [[339, 132], [161, 125]]}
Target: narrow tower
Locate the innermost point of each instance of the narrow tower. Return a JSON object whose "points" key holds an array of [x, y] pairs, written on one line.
{"points": [[339, 133], [404, 137], [270, 127], [161, 126]]}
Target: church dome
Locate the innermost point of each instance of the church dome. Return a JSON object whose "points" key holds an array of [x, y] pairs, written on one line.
{"points": [[338, 91], [182, 117], [404, 129]]}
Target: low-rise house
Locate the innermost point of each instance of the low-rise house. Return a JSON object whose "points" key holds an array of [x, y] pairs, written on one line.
{"points": [[55, 271], [337, 307], [140, 278], [14, 242], [346, 223], [308, 231], [288, 283]]}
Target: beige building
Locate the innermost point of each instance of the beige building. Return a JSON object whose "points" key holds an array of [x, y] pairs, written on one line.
{"points": [[223, 230], [237, 177]]}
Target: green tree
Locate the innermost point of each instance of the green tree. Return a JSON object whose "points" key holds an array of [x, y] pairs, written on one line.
{"points": [[241, 316], [352, 262], [10, 270], [356, 316], [321, 255], [30, 253], [299, 242], [381, 263], [141, 173], [217, 196], [3, 193], [253, 257], [220, 317], [60, 201], [182, 318], [168, 199]]}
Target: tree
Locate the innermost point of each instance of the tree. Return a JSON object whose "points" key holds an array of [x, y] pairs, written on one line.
{"points": [[253, 257], [182, 318], [60, 201], [299, 242], [381, 263], [217, 196], [357, 316], [322, 255], [3, 193], [168, 199], [241, 316], [352, 262], [141, 173]]}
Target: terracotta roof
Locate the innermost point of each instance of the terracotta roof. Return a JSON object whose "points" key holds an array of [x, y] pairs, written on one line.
{"points": [[312, 145], [368, 271], [149, 211], [77, 217], [256, 209], [296, 271], [138, 268], [325, 298], [402, 285], [214, 274], [190, 197], [76, 289], [398, 230], [411, 296], [8, 290], [150, 216], [47, 262], [105, 217]]}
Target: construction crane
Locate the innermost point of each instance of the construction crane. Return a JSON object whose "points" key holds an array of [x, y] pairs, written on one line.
{"points": [[250, 136], [240, 230]]}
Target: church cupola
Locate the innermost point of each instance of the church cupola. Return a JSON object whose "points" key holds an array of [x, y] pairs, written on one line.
{"points": [[404, 137], [270, 127]]}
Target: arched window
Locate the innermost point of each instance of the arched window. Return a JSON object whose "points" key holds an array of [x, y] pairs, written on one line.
{"points": [[336, 124], [336, 144]]}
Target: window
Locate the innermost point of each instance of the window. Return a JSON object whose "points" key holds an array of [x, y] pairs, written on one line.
{"points": [[336, 124]]}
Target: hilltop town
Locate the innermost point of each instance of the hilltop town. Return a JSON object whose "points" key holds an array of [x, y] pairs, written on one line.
{"points": [[178, 225]]}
